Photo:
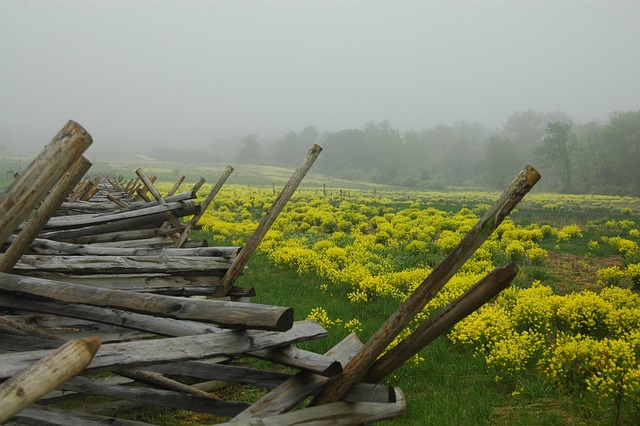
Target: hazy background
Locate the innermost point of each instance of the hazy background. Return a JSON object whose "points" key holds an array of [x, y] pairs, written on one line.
{"points": [[139, 72]]}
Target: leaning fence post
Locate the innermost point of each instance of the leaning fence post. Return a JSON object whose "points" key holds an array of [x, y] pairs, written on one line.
{"points": [[267, 220], [355, 370], [45, 375], [10, 257], [41, 175], [205, 204], [485, 289]]}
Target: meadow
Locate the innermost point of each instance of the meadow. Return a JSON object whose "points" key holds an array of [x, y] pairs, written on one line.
{"points": [[559, 346]]}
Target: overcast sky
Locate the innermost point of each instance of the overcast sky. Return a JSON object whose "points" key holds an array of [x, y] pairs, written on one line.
{"points": [[142, 72]]}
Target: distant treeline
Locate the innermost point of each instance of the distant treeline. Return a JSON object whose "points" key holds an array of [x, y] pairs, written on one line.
{"points": [[594, 157]]}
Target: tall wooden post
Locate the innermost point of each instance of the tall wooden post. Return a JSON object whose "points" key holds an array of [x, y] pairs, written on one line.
{"points": [[357, 368], [267, 220]]}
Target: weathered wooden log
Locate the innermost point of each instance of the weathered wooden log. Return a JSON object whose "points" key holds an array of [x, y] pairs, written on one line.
{"points": [[92, 264], [143, 222], [160, 397], [47, 416], [158, 325], [51, 247], [265, 379], [196, 187], [483, 291], [205, 204], [171, 285], [173, 220], [158, 351], [154, 242], [175, 187], [40, 176], [291, 356], [117, 201], [230, 314], [357, 368], [76, 221], [334, 414], [154, 379], [45, 374], [267, 220], [122, 237], [26, 237], [296, 389]]}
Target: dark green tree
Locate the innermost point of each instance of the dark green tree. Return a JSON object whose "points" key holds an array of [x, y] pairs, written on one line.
{"points": [[556, 152], [502, 160], [249, 152]]}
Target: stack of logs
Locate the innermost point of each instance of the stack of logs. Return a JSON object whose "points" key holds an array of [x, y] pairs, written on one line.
{"points": [[100, 270]]}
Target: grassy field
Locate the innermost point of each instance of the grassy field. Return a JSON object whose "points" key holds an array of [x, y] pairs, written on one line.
{"points": [[338, 246]]}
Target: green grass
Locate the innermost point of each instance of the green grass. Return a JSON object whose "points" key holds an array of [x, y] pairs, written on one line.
{"points": [[451, 387]]}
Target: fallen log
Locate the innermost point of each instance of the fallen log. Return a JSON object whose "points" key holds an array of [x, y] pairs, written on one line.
{"points": [[230, 314], [333, 414], [91, 264], [77, 221], [160, 397], [58, 247], [158, 351]]}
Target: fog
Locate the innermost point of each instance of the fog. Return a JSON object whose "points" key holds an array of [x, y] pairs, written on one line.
{"points": [[136, 73]]}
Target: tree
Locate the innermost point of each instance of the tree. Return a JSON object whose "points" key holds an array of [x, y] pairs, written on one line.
{"points": [[622, 139], [250, 150], [502, 160], [556, 152]]}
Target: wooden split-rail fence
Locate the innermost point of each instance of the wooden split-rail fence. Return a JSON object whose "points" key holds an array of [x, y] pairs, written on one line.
{"points": [[100, 275]]}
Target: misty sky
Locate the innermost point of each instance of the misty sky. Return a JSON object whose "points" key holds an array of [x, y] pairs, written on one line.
{"points": [[141, 72]]}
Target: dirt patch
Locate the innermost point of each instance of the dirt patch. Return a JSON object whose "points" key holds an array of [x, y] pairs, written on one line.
{"points": [[575, 272]]}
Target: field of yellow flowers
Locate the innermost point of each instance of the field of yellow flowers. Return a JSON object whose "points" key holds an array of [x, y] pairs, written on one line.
{"points": [[579, 337]]}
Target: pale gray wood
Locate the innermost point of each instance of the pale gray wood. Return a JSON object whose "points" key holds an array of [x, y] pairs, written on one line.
{"points": [[116, 264], [17, 201], [299, 387], [172, 285], [143, 222], [232, 314], [332, 414], [160, 397], [117, 317], [47, 416], [149, 352], [26, 237], [51, 247], [301, 359], [76, 221]]}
